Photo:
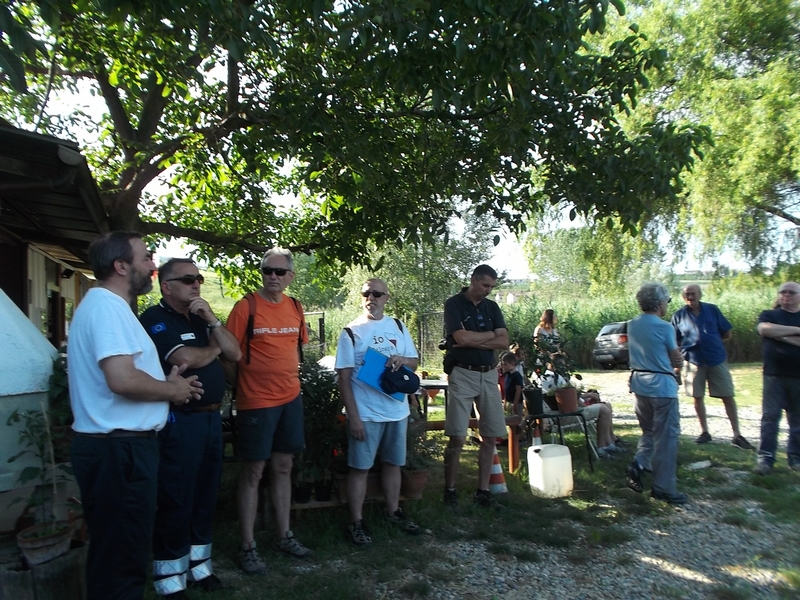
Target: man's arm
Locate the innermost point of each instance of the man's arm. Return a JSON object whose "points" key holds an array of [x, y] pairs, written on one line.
{"points": [[775, 331], [346, 388], [676, 358], [484, 340], [220, 336], [194, 357], [125, 379], [726, 335]]}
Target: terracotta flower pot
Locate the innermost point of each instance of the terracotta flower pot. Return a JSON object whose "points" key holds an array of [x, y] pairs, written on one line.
{"points": [[45, 541], [412, 483], [567, 399]]}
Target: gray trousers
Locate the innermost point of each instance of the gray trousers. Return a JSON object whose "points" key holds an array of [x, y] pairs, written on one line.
{"points": [[657, 451]]}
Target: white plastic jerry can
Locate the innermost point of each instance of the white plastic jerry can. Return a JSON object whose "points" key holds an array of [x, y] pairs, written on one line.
{"points": [[550, 470]]}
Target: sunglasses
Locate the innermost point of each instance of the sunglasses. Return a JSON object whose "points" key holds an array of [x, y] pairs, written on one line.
{"points": [[189, 279], [374, 294], [271, 270]]}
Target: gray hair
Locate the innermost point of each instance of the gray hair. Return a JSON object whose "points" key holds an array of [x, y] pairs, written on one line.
{"points": [[651, 295], [287, 254]]}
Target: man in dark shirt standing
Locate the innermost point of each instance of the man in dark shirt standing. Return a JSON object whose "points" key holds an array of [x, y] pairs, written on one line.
{"points": [[780, 331], [185, 330], [475, 329]]}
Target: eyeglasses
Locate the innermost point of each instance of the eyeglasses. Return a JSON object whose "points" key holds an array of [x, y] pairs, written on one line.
{"points": [[787, 293], [270, 270], [189, 279], [374, 294]]}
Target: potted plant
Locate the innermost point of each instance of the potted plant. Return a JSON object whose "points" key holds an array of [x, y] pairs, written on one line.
{"points": [[322, 404], [49, 537], [562, 382], [421, 453], [60, 414]]}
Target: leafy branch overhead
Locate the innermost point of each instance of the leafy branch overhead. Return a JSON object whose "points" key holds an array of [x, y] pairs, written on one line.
{"points": [[384, 118]]}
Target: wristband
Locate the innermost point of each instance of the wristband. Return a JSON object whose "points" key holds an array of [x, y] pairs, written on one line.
{"points": [[213, 326]]}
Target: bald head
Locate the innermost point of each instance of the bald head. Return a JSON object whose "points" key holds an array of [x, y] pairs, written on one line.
{"points": [[789, 296], [691, 296]]}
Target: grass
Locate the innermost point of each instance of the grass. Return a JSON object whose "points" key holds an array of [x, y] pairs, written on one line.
{"points": [[593, 522]]}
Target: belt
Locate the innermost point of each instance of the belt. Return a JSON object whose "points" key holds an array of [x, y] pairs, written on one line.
{"points": [[206, 408], [121, 433], [479, 368]]}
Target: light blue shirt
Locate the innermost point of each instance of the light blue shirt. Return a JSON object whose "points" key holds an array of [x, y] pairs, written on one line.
{"points": [[650, 340]]}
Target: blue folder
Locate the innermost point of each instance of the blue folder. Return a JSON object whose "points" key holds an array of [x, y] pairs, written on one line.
{"points": [[371, 371]]}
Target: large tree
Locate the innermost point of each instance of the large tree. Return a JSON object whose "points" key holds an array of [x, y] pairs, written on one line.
{"points": [[383, 117], [735, 66]]}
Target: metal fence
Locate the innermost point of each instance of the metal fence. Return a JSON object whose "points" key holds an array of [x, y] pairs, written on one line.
{"points": [[430, 330]]}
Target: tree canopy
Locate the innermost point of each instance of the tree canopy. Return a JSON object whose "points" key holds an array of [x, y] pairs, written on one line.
{"points": [[384, 118], [733, 65]]}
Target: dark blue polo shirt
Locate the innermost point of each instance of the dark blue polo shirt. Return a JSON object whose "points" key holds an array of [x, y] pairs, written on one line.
{"points": [[780, 359], [461, 313], [171, 330]]}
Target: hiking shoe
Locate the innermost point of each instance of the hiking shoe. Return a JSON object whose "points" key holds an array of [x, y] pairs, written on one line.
{"points": [[485, 499], [357, 535], [633, 473], [614, 449], [676, 499], [212, 583], [762, 468], [289, 545], [703, 438], [742, 443], [604, 454], [451, 498], [251, 562], [400, 519]]}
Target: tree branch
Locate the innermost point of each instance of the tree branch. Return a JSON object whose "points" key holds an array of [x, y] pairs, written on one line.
{"points": [[122, 124], [778, 212]]}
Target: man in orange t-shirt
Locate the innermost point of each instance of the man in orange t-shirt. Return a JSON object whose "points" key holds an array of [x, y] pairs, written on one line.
{"points": [[269, 404]]}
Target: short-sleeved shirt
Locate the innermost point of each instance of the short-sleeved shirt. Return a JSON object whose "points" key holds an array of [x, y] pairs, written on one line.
{"points": [[104, 326], [512, 381], [650, 340], [461, 313], [780, 359], [273, 376], [700, 337], [383, 336], [171, 330]]}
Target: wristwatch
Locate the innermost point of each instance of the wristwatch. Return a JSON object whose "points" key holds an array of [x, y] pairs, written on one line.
{"points": [[215, 325]]}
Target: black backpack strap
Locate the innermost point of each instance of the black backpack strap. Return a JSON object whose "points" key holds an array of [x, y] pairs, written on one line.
{"points": [[399, 324], [251, 302], [302, 324], [350, 333]]}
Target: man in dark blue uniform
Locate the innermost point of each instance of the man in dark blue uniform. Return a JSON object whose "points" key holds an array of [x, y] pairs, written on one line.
{"points": [[185, 330]]}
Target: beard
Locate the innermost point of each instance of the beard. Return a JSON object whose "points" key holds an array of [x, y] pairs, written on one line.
{"points": [[140, 283]]}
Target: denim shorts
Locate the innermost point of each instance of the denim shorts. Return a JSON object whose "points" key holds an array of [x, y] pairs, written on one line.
{"points": [[385, 439], [262, 431]]}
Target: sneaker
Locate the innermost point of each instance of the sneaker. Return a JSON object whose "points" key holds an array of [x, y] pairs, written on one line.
{"points": [[289, 545], [485, 499], [251, 562], [621, 443], [604, 454], [451, 497], [676, 499], [742, 443], [357, 535], [212, 583], [181, 595], [633, 474], [400, 519], [704, 438], [762, 468], [614, 449]]}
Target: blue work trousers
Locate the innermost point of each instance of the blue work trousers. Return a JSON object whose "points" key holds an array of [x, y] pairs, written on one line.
{"points": [[780, 393], [657, 451]]}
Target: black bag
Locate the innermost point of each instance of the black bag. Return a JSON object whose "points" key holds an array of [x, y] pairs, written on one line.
{"points": [[449, 363], [404, 380]]}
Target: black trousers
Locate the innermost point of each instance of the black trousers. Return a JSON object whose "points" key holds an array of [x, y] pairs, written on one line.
{"points": [[118, 479], [188, 480]]}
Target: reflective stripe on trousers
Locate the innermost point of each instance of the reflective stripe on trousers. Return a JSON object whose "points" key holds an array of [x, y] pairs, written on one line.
{"points": [[169, 576], [202, 569]]}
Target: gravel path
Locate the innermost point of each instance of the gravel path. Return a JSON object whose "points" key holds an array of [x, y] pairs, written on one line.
{"points": [[687, 552]]}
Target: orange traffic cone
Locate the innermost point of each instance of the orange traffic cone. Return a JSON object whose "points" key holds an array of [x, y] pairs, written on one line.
{"points": [[497, 481]]}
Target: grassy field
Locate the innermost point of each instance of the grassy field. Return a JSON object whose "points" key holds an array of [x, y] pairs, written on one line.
{"points": [[596, 517]]}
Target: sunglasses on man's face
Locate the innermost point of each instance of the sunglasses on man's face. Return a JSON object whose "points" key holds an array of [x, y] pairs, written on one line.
{"points": [[270, 270], [374, 294], [189, 279]]}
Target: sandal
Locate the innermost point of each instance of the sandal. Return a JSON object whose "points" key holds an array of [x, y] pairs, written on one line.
{"points": [[633, 474]]}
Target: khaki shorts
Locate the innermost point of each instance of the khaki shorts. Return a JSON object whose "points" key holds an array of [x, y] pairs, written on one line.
{"points": [[468, 387], [720, 383]]}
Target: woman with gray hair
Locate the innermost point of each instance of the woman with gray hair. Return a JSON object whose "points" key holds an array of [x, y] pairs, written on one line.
{"points": [[654, 355]]}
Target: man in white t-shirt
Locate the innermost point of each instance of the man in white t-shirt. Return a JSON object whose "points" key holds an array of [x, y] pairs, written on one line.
{"points": [[119, 396], [376, 422]]}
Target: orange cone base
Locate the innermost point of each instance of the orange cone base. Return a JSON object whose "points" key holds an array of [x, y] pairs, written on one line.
{"points": [[497, 481]]}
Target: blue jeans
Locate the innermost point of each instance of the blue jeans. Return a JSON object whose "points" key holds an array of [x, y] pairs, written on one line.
{"points": [[658, 447], [780, 393]]}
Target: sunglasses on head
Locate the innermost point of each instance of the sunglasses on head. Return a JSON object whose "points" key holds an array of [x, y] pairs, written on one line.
{"points": [[374, 294], [271, 270], [189, 279]]}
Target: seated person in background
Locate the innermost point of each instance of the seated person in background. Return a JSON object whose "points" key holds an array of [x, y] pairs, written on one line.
{"points": [[594, 409], [512, 384]]}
